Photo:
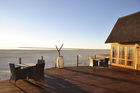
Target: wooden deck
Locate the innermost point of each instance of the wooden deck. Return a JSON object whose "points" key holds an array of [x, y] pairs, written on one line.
{"points": [[78, 80]]}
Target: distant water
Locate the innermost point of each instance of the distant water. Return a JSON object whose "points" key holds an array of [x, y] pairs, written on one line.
{"points": [[31, 56]]}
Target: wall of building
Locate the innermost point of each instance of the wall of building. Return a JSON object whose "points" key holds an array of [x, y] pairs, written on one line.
{"points": [[124, 55]]}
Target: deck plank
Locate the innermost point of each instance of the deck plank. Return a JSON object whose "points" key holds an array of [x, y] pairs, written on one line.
{"points": [[78, 80]]}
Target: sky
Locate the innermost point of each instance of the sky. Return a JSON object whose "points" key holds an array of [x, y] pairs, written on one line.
{"points": [[46, 23]]}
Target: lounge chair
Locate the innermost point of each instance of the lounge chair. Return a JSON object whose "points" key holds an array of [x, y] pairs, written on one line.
{"points": [[40, 61], [17, 73], [37, 72], [101, 63], [95, 63], [106, 62]]}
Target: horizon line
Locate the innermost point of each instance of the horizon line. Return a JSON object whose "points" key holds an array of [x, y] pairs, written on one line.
{"points": [[48, 48]]}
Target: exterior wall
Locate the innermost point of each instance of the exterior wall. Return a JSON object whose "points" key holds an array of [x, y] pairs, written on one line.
{"points": [[126, 56]]}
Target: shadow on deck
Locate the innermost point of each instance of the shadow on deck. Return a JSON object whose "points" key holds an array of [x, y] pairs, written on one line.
{"points": [[78, 80]]}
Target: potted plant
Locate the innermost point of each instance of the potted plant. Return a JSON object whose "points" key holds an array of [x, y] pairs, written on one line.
{"points": [[60, 59]]}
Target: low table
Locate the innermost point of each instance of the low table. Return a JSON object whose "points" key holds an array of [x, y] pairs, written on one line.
{"points": [[26, 64], [99, 60]]}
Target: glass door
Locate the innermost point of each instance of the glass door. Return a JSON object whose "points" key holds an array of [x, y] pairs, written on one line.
{"points": [[122, 55], [114, 54], [130, 56]]}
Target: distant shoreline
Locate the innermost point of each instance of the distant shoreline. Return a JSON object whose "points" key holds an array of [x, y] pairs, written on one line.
{"points": [[42, 49]]}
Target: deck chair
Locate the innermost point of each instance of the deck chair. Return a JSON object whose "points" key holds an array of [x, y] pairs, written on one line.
{"points": [[95, 63], [106, 62], [17, 73], [101, 63], [40, 61], [37, 72]]}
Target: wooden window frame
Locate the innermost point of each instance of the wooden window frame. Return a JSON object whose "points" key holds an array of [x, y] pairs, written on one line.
{"points": [[117, 58]]}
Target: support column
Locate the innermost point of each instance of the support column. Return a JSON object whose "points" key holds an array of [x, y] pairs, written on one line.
{"points": [[137, 57]]}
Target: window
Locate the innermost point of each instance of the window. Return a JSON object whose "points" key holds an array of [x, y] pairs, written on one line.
{"points": [[114, 51], [130, 63], [113, 60], [122, 62], [122, 52], [123, 55], [130, 52]]}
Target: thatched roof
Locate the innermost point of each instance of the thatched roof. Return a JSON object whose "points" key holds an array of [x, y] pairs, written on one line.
{"points": [[126, 30]]}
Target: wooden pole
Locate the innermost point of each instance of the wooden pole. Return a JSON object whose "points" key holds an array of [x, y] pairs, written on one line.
{"points": [[41, 57], [95, 56], [20, 60], [77, 60]]}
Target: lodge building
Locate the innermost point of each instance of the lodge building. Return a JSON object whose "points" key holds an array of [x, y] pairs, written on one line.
{"points": [[125, 42]]}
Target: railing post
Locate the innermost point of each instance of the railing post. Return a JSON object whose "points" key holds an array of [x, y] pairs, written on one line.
{"points": [[77, 60], [95, 56], [41, 57], [20, 60]]}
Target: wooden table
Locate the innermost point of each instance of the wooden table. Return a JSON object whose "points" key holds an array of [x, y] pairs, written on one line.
{"points": [[99, 61], [26, 64]]}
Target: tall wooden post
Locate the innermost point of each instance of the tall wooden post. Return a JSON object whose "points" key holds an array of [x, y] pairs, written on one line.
{"points": [[137, 57], [95, 56], [41, 57], [20, 60], [77, 60]]}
